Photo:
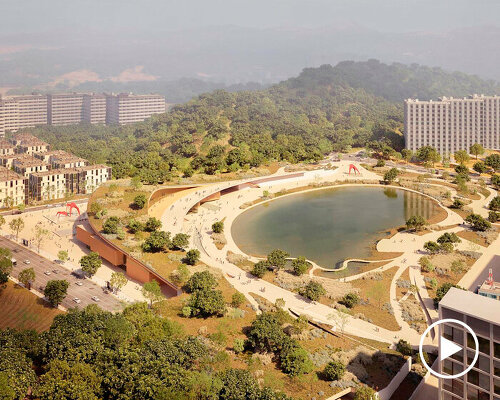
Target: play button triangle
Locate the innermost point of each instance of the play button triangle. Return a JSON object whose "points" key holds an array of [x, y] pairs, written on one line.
{"points": [[447, 348]]}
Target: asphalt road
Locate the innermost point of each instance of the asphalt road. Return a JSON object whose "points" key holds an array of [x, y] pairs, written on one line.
{"points": [[85, 292]]}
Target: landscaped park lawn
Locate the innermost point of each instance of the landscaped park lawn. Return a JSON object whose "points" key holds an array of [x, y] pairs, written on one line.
{"points": [[21, 309], [377, 293]]}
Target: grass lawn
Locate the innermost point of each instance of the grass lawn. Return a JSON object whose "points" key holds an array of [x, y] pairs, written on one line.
{"points": [[21, 309], [373, 310]]}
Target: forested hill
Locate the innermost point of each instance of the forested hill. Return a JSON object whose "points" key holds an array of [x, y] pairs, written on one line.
{"points": [[395, 82], [323, 109]]}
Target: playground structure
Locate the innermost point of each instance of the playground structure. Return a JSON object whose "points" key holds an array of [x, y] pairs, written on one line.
{"points": [[71, 206], [352, 167]]}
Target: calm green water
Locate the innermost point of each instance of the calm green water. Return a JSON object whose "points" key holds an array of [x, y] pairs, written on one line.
{"points": [[328, 226]]}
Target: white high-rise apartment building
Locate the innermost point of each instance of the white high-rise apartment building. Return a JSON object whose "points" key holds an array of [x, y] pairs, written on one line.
{"points": [[451, 124], [18, 112], [126, 108]]}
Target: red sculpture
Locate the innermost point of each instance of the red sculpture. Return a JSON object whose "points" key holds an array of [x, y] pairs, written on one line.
{"points": [[353, 167], [71, 206], [63, 213]]}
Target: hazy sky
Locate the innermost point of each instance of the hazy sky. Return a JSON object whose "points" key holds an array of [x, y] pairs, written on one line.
{"points": [[28, 16]]}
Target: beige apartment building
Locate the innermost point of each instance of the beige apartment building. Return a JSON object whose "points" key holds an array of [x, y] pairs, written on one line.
{"points": [[13, 188], [58, 159], [482, 315], [57, 183], [27, 165], [29, 144], [18, 112], [64, 108], [451, 124], [94, 108], [6, 148], [127, 108]]}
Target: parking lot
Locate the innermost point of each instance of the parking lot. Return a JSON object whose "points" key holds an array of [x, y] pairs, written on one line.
{"points": [[46, 270]]}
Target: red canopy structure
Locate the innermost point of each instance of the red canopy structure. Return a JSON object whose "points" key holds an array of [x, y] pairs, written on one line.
{"points": [[353, 167], [63, 213]]}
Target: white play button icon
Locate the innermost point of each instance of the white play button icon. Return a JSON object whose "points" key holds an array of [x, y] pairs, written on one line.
{"points": [[447, 348]]}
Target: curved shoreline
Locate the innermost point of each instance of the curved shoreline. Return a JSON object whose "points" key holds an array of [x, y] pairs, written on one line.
{"points": [[230, 220]]}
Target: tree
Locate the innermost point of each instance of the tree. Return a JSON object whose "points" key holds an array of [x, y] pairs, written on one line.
{"points": [[62, 255], [152, 291], [140, 201], [27, 277], [416, 222], [203, 280], [55, 291], [90, 263], [476, 149], [493, 216], [206, 303], [135, 226], [377, 293], [118, 281], [260, 268], [448, 237], [428, 154], [404, 347], [340, 320], [334, 371], [237, 299], [391, 175], [16, 369], [495, 204], [462, 170], [5, 265], [2, 220], [135, 183], [380, 163], [478, 223], [157, 241], [432, 247], [480, 167], [218, 227], [277, 258], [192, 257], [152, 224], [313, 291], [294, 360], [407, 155], [364, 392], [40, 236], [300, 266], [180, 241], [75, 381], [461, 156], [493, 161], [110, 226], [426, 264], [350, 300], [16, 225], [458, 204], [495, 181]]}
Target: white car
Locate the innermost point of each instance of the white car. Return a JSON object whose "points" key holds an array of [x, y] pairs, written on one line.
{"points": [[95, 298], [77, 300], [27, 262], [79, 283], [47, 273]]}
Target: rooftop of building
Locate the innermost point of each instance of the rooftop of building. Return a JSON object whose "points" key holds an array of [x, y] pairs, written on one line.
{"points": [[442, 99], [5, 144], [64, 157], [26, 139], [28, 161], [7, 175], [469, 303], [61, 171], [490, 287]]}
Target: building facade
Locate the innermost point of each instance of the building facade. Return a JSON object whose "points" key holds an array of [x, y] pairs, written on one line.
{"points": [[64, 108], [13, 188], [452, 124], [482, 315], [126, 108], [18, 112], [94, 108], [26, 165]]}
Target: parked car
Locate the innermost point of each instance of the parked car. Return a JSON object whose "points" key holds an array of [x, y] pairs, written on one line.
{"points": [[47, 273], [27, 262], [79, 283], [95, 298], [77, 300]]}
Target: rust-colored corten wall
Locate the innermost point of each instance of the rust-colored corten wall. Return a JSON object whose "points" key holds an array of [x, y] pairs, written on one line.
{"points": [[135, 269]]}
